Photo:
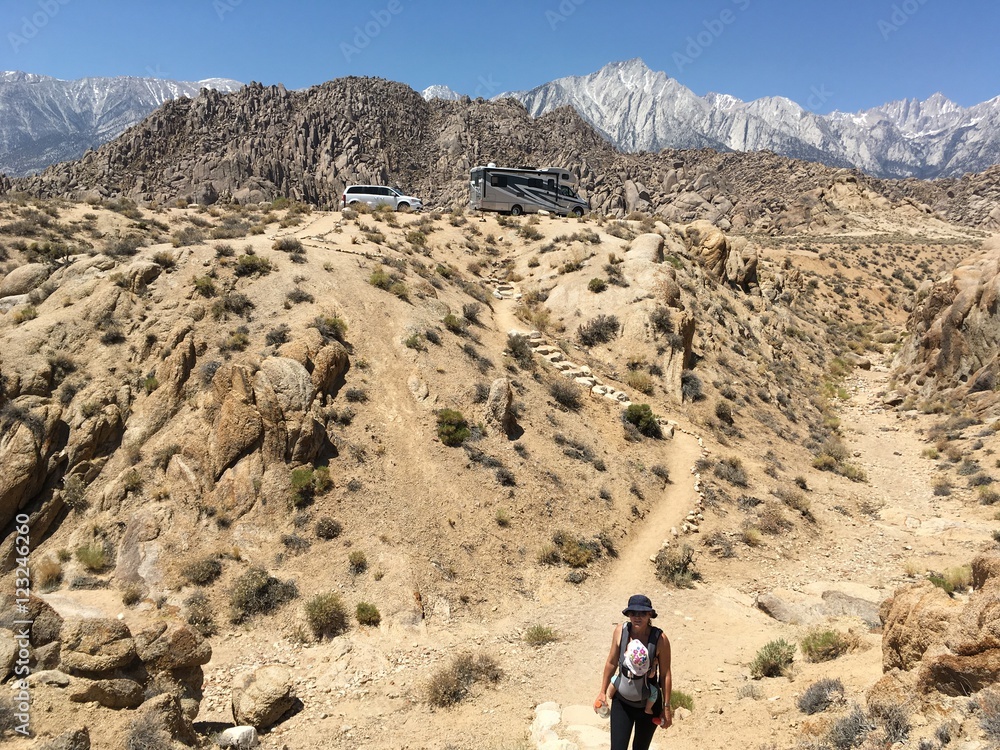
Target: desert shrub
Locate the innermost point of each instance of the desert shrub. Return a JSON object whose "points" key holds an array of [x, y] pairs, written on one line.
{"points": [[988, 702], [93, 556], [288, 244], [680, 699], [257, 592], [202, 571], [328, 528], [452, 428], [252, 265], [823, 645], [549, 555], [675, 566], [46, 574], [820, 696], [958, 578], [519, 349], [724, 412], [576, 554], [125, 246], [662, 321], [566, 394], [941, 486], [358, 562], [148, 731], [356, 395], [278, 335], [731, 470], [454, 323], [308, 483], [773, 659], [660, 472], [131, 594], [851, 730], [640, 381], [988, 496], [299, 295], [75, 493], [205, 286], [597, 285], [895, 722], [691, 388], [540, 635], [452, 682], [642, 418], [326, 615], [187, 236], [330, 327], [598, 330], [368, 614], [471, 311], [165, 260], [198, 612]]}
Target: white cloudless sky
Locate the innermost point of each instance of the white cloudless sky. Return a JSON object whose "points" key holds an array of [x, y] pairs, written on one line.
{"points": [[847, 55]]}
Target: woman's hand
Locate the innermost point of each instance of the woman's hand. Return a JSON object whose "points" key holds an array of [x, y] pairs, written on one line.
{"points": [[600, 700], [666, 718]]}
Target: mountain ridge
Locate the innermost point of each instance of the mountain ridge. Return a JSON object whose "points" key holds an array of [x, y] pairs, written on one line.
{"points": [[639, 109], [48, 120]]}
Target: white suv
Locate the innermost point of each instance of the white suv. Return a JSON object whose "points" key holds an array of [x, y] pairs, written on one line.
{"points": [[375, 195]]}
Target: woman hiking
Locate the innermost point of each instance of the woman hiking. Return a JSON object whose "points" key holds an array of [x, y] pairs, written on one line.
{"points": [[631, 691]]}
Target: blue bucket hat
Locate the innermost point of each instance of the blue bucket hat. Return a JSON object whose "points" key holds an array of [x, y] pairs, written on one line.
{"points": [[639, 603]]}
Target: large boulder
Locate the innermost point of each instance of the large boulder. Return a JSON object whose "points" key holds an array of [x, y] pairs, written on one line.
{"points": [[116, 693], [172, 646], [913, 619], [262, 698], [96, 646], [499, 412], [24, 278], [954, 344], [46, 623]]}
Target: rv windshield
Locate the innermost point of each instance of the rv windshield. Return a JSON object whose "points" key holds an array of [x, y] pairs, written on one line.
{"points": [[567, 191]]}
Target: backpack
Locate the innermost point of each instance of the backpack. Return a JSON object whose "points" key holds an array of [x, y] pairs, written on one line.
{"points": [[634, 689]]}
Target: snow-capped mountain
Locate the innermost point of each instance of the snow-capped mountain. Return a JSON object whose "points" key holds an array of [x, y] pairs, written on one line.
{"points": [[45, 120], [639, 109], [440, 92]]}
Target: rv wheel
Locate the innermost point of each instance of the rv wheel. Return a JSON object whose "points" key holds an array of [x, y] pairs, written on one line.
{"points": [[516, 210], [578, 212]]}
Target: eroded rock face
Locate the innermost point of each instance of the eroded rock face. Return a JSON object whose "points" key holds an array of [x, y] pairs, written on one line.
{"points": [[729, 261], [950, 648], [913, 619], [262, 698], [499, 414], [96, 646], [954, 346]]}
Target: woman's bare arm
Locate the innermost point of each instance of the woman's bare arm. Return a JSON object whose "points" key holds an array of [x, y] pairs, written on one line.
{"points": [[665, 678]]}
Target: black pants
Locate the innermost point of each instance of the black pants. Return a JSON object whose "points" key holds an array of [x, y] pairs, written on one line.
{"points": [[623, 719]]}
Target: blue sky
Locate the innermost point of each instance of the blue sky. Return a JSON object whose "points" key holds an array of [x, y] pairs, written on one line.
{"points": [[847, 55]]}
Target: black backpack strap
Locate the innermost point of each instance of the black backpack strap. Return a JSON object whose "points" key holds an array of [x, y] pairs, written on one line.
{"points": [[626, 628]]}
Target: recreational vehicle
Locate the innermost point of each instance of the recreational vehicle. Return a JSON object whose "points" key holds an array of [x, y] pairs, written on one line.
{"points": [[524, 191]]}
